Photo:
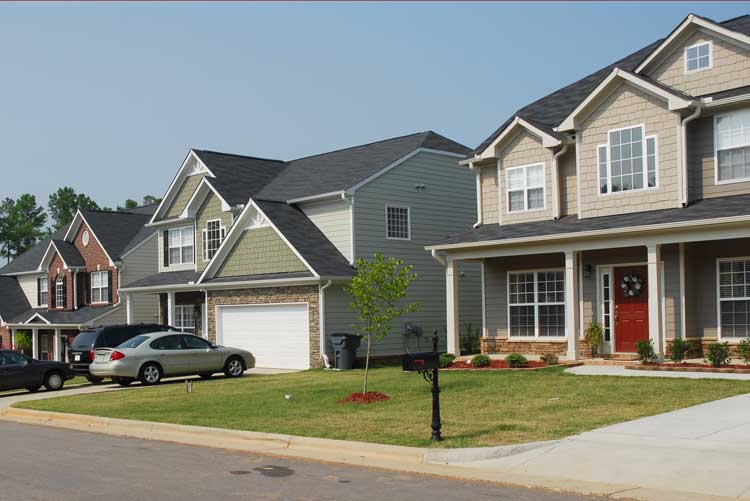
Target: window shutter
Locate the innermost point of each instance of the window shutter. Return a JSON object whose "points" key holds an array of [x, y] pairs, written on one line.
{"points": [[51, 294], [109, 286], [166, 248], [39, 291], [65, 291]]}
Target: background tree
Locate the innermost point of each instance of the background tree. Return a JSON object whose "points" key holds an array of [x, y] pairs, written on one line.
{"points": [[21, 225], [151, 200], [129, 204], [376, 292], [64, 203]]}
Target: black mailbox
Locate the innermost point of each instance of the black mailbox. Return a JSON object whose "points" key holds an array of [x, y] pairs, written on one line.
{"points": [[421, 361]]}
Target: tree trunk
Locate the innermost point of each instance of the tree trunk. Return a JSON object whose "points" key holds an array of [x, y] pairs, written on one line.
{"points": [[367, 361]]}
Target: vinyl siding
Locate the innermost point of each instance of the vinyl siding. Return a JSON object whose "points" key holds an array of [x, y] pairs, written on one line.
{"points": [[568, 183], [333, 218], [701, 164], [445, 206], [183, 196], [29, 286], [260, 251], [211, 209], [627, 106], [141, 263], [731, 67]]}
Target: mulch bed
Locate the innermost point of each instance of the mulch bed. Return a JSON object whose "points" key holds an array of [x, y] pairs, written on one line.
{"points": [[365, 398], [691, 367], [496, 365]]}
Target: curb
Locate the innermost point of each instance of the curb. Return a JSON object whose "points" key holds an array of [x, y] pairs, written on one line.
{"points": [[453, 456]]}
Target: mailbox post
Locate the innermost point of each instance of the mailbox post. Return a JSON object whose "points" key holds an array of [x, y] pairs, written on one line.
{"points": [[427, 364]]}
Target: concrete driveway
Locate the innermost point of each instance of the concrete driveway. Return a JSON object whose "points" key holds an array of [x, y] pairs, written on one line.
{"points": [[703, 449]]}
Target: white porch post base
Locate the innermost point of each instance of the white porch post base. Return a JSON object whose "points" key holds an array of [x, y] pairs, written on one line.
{"points": [[34, 343], [451, 302], [654, 304], [170, 309], [571, 303]]}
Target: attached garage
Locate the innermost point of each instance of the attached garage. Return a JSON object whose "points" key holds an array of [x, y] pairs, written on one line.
{"points": [[278, 335]]}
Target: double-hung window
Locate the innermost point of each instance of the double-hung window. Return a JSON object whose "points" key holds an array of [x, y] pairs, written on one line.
{"points": [[43, 291], [99, 287], [628, 161], [184, 317], [60, 292], [180, 245], [525, 187], [698, 57], [397, 223], [734, 297], [213, 235], [733, 146], [536, 303]]}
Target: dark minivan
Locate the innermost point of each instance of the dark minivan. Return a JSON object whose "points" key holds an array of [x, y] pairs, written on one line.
{"points": [[81, 352]]}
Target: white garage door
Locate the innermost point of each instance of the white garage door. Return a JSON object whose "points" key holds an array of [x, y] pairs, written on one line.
{"points": [[276, 334]]}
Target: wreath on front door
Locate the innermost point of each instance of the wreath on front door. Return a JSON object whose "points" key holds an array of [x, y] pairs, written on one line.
{"points": [[631, 284]]}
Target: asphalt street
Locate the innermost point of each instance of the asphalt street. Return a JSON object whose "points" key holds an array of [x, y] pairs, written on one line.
{"points": [[53, 464]]}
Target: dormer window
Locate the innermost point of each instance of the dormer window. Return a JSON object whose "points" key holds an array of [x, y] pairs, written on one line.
{"points": [[698, 57]]}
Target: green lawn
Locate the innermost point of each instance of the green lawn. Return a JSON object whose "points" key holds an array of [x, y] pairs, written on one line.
{"points": [[478, 408]]}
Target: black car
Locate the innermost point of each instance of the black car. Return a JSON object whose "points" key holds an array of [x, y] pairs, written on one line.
{"points": [[19, 371], [81, 352]]}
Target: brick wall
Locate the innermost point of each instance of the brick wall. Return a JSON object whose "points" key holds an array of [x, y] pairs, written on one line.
{"points": [[56, 268], [297, 294], [4, 338], [95, 258]]}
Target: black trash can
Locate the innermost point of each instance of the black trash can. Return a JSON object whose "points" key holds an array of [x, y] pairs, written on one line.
{"points": [[345, 350]]}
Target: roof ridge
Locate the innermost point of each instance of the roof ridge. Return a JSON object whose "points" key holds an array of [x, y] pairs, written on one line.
{"points": [[126, 212], [732, 19], [238, 155], [361, 145]]}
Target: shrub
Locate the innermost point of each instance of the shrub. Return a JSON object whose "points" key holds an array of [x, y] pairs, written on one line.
{"points": [[743, 350], [516, 360], [678, 349], [550, 359], [481, 361], [23, 341], [645, 349], [594, 336], [471, 341], [718, 354], [446, 359]]}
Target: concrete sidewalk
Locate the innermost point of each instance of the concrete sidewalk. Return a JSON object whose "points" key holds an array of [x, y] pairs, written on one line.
{"points": [[703, 449], [614, 370]]}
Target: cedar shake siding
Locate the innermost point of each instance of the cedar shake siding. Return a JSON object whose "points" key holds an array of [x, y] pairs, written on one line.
{"points": [[490, 193], [183, 196], [260, 251], [210, 210], [568, 183]]}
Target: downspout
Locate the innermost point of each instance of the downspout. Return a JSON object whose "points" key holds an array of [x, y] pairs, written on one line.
{"points": [[322, 316], [683, 152], [438, 258], [556, 181], [478, 173]]}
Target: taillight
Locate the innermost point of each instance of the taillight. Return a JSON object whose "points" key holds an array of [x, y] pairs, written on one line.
{"points": [[116, 355], [91, 355]]}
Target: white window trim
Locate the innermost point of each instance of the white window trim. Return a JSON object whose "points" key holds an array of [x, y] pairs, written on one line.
{"points": [[59, 284], [526, 189], [710, 57], [170, 247], [609, 192], [655, 137], [716, 151], [600, 272], [182, 307], [719, 260], [45, 291], [536, 304], [408, 221], [104, 273], [204, 241]]}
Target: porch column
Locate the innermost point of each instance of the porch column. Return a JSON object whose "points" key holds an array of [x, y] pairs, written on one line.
{"points": [[34, 343], [13, 339], [571, 303], [56, 345], [170, 308], [451, 303], [128, 309], [654, 300]]}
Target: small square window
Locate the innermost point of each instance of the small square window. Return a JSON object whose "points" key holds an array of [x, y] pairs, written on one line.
{"points": [[698, 57], [398, 224]]}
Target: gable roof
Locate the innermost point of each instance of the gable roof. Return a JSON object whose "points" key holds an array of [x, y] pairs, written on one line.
{"points": [[549, 111], [12, 299], [29, 260], [68, 253], [341, 169], [115, 230]]}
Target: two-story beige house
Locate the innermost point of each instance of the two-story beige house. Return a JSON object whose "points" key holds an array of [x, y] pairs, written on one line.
{"points": [[623, 198]]}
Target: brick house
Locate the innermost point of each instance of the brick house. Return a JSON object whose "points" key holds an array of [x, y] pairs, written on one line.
{"points": [[71, 281], [623, 198]]}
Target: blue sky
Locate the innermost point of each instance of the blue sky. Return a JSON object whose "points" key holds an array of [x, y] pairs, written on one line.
{"points": [[108, 97]]}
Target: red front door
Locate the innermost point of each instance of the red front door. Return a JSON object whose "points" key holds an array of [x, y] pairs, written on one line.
{"points": [[631, 307]]}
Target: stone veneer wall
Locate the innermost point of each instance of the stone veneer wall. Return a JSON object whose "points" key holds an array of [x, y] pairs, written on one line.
{"points": [[500, 345], [296, 294]]}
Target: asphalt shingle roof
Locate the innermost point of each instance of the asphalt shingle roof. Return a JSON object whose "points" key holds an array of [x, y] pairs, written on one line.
{"points": [[12, 299], [549, 111], [710, 208], [30, 260], [166, 278], [69, 253], [115, 230], [79, 316], [265, 276]]}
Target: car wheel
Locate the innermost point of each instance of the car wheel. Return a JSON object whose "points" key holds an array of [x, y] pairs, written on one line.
{"points": [[206, 375], [124, 381], [33, 389], [54, 381], [150, 374], [94, 379], [234, 367]]}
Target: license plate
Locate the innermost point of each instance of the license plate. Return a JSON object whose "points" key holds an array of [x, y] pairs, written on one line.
{"points": [[77, 358]]}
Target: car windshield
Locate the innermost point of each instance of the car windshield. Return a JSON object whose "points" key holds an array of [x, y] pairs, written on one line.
{"points": [[85, 339], [133, 342]]}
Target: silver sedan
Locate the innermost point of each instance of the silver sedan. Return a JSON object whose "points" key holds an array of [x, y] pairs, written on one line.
{"points": [[151, 357]]}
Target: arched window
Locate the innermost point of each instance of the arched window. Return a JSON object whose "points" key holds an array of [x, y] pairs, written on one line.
{"points": [[59, 292]]}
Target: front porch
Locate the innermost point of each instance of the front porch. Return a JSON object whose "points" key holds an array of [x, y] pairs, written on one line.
{"points": [[47, 342], [540, 299]]}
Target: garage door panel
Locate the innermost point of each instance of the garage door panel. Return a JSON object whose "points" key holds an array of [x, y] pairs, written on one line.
{"points": [[277, 335]]}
